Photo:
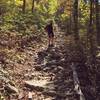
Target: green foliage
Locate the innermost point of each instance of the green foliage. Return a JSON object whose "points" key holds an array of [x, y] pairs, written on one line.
{"points": [[14, 20], [52, 6], [83, 12]]}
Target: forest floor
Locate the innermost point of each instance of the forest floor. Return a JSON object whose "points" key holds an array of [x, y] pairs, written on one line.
{"points": [[45, 72]]}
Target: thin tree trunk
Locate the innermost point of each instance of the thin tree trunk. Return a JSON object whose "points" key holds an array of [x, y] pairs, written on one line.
{"points": [[33, 5], [70, 26], [75, 16], [91, 31], [24, 6], [97, 21]]}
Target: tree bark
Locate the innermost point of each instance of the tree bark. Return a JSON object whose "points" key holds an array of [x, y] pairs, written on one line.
{"points": [[92, 49], [24, 6], [33, 5], [97, 10], [97, 21], [91, 33], [75, 16]]}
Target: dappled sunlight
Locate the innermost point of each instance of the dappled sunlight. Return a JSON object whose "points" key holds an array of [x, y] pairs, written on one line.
{"points": [[49, 50]]}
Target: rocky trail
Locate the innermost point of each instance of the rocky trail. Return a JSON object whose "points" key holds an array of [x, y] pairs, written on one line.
{"points": [[45, 73]]}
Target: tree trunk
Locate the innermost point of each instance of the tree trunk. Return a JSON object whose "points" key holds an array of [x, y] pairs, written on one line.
{"points": [[92, 68], [97, 21], [70, 25], [91, 33], [97, 9], [33, 6], [24, 6], [75, 16]]}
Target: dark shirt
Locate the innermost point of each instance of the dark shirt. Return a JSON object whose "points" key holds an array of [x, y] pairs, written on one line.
{"points": [[49, 29]]}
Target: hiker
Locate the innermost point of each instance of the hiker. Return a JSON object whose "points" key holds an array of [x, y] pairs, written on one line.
{"points": [[49, 30]]}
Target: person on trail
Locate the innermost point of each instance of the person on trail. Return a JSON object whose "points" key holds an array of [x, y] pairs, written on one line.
{"points": [[49, 30]]}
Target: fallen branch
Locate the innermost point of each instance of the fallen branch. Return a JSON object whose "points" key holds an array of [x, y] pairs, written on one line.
{"points": [[77, 83]]}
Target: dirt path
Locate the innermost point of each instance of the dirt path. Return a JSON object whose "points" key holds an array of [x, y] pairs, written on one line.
{"points": [[45, 72]]}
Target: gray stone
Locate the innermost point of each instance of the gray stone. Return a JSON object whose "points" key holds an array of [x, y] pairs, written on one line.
{"points": [[36, 84], [39, 85], [21, 95], [11, 89]]}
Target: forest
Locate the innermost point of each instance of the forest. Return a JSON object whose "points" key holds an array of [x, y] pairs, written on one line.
{"points": [[49, 49]]}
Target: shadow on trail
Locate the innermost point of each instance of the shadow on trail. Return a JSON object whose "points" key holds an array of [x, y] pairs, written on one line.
{"points": [[54, 61]]}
